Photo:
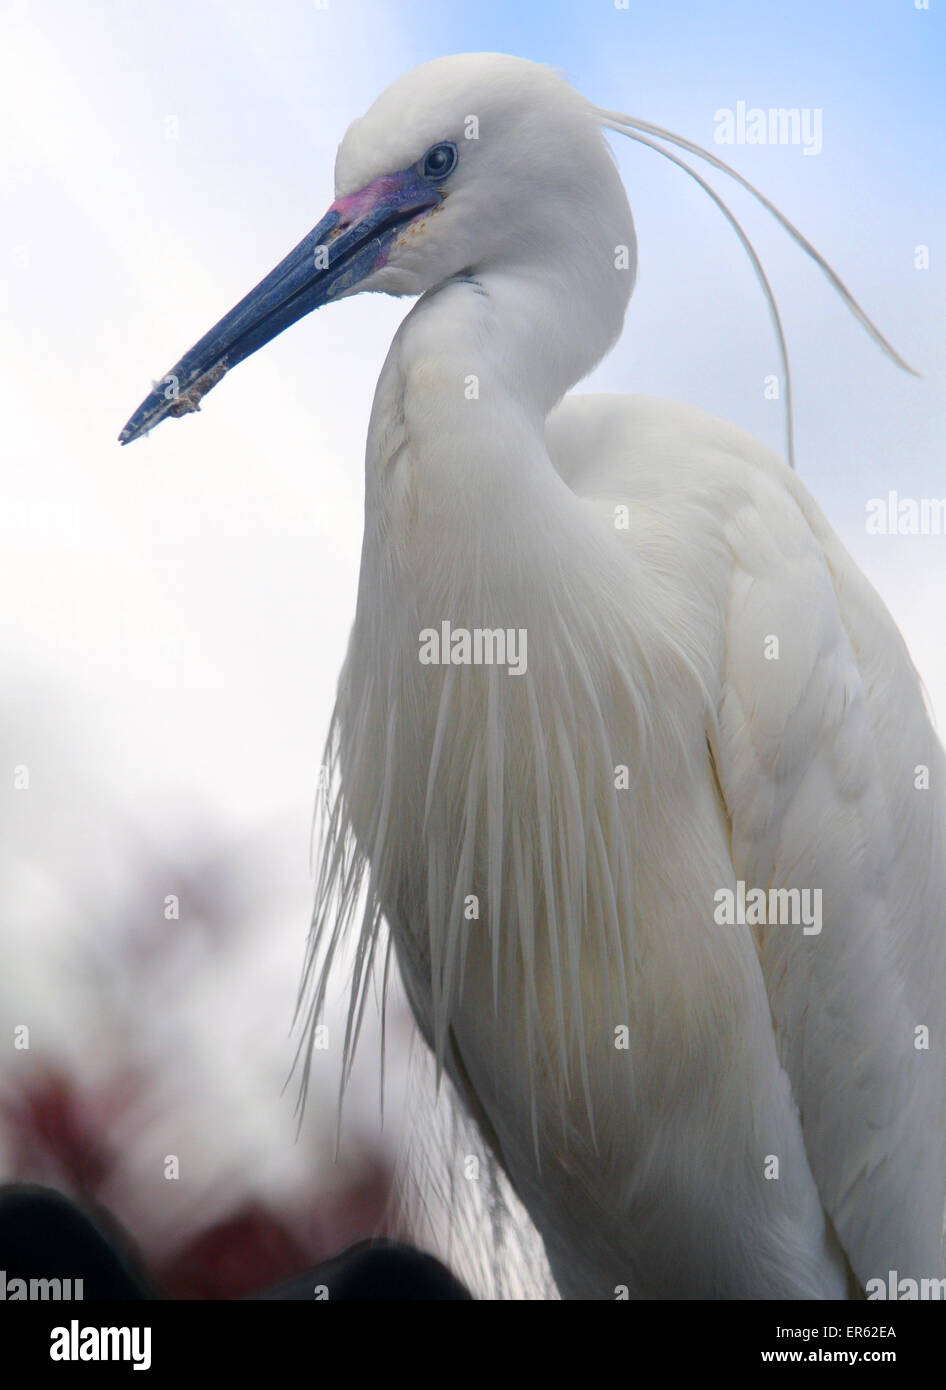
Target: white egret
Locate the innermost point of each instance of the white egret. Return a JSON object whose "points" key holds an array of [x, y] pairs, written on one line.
{"points": [[610, 670]]}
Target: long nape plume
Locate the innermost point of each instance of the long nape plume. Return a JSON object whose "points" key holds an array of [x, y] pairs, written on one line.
{"points": [[650, 135]]}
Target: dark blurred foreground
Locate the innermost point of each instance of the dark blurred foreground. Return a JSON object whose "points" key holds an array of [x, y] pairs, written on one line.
{"points": [[44, 1235]]}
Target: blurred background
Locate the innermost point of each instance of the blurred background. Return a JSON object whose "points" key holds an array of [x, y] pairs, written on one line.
{"points": [[173, 615]]}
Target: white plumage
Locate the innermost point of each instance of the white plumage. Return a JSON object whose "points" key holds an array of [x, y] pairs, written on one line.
{"points": [[772, 1129], [647, 648]]}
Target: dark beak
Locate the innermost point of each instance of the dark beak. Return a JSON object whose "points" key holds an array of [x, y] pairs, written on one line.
{"points": [[352, 240]]}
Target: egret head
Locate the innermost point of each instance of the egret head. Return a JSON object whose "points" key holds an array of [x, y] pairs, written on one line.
{"points": [[467, 164], [514, 163]]}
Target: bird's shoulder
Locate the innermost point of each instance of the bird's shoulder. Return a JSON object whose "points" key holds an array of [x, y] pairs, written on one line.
{"points": [[649, 448]]}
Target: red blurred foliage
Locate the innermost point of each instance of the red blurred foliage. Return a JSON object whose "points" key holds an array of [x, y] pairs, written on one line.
{"points": [[59, 1136], [256, 1248], [249, 1251]]}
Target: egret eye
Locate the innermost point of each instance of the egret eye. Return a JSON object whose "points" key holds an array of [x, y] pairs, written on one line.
{"points": [[440, 160]]}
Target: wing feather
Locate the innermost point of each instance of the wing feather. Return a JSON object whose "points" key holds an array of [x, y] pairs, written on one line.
{"points": [[820, 726]]}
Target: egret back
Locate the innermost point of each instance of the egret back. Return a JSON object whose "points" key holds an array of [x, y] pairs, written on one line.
{"points": [[831, 775]]}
